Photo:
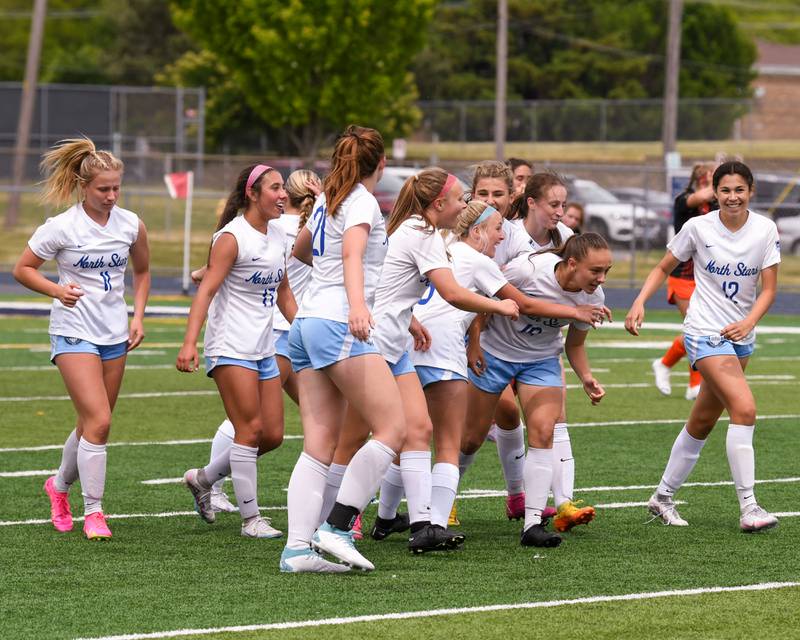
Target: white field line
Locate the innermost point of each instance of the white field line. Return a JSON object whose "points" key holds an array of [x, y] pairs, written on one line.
{"points": [[28, 474], [614, 423], [431, 613], [787, 514], [649, 359], [175, 514], [162, 310], [764, 380]]}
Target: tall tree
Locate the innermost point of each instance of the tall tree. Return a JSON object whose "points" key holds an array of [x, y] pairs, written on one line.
{"points": [[310, 67]]}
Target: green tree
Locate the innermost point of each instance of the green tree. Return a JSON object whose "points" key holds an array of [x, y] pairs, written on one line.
{"points": [[310, 67]]}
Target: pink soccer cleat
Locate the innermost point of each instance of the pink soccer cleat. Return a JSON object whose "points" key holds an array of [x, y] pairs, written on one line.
{"points": [[60, 513], [358, 534], [95, 527], [515, 506]]}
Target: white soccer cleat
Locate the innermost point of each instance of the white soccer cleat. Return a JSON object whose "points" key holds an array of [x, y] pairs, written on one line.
{"points": [[339, 544], [757, 519], [692, 392], [260, 527], [221, 502], [308, 561], [201, 495], [663, 507], [661, 372]]}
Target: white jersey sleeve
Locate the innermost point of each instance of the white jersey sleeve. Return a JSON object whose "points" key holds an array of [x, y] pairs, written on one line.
{"points": [[95, 257], [515, 242], [241, 313], [414, 251]]}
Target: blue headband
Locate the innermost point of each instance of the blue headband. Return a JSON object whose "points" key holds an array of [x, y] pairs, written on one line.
{"points": [[487, 212]]}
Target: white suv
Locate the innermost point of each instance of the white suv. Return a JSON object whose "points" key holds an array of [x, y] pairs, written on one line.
{"points": [[610, 217]]}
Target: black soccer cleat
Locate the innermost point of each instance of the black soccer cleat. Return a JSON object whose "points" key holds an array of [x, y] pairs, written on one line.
{"points": [[434, 538], [382, 529], [538, 536]]}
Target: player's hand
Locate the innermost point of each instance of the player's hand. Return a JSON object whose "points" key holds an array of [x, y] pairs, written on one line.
{"points": [[508, 307], [198, 274], [360, 322], [475, 360], [594, 390], [187, 360], [634, 319], [135, 334], [737, 331], [70, 294], [591, 314], [422, 337]]}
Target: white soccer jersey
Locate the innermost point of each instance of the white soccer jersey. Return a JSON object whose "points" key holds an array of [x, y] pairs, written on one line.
{"points": [[532, 338], [448, 325], [515, 242], [95, 257], [726, 269], [563, 230], [240, 316], [326, 296], [413, 252], [299, 272]]}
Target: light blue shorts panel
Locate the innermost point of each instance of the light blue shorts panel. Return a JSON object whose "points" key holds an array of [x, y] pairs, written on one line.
{"points": [[429, 375], [402, 366], [499, 373], [319, 343], [281, 343], [64, 344], [699, 347], [267, 368]]}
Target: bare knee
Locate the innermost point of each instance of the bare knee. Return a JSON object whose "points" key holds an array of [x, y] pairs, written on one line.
{"points": [[96, 428], [248, 433], [393, 434], [419, 435], [506, 414], [744, 414], [472, 440], [270, 441]]}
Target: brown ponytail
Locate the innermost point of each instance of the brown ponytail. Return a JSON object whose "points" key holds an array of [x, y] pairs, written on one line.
{"points": [[357, 154], [417, 194]]}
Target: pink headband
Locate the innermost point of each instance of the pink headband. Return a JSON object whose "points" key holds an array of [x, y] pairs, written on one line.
{"points": [[448, 184], [258, 171]]}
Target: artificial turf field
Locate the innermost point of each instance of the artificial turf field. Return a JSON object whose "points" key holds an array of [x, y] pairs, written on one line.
{"points": [[165, 570]]}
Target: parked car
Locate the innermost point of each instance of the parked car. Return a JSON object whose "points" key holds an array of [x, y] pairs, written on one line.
{"points": [[659, 201], [778, 196], [789, 234], [611, 217]]}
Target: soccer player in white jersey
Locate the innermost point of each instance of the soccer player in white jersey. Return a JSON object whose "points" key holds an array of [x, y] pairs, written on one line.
{"points": [[732, 249], [539, 212], [302, 187], [442, 369], [528, 351], [336, 360], [416, 259], [91, 242], [246, 278]]}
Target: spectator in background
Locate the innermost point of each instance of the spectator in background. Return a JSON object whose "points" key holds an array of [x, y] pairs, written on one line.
{"points": [[574, 216], [698, 199], [522, 170]]}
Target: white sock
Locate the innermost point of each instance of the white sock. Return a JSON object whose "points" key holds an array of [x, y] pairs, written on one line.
{"points": [[364, 474], [304, 500], [444, 485], [244, 474], [465, 461], [538, 476], [511, 451], [742, 460], [221, 444], [392, 492], [332, 484], [219, 468], [684, 455], [563, 465], [91, 463], [416, 469], [68, 469]]}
